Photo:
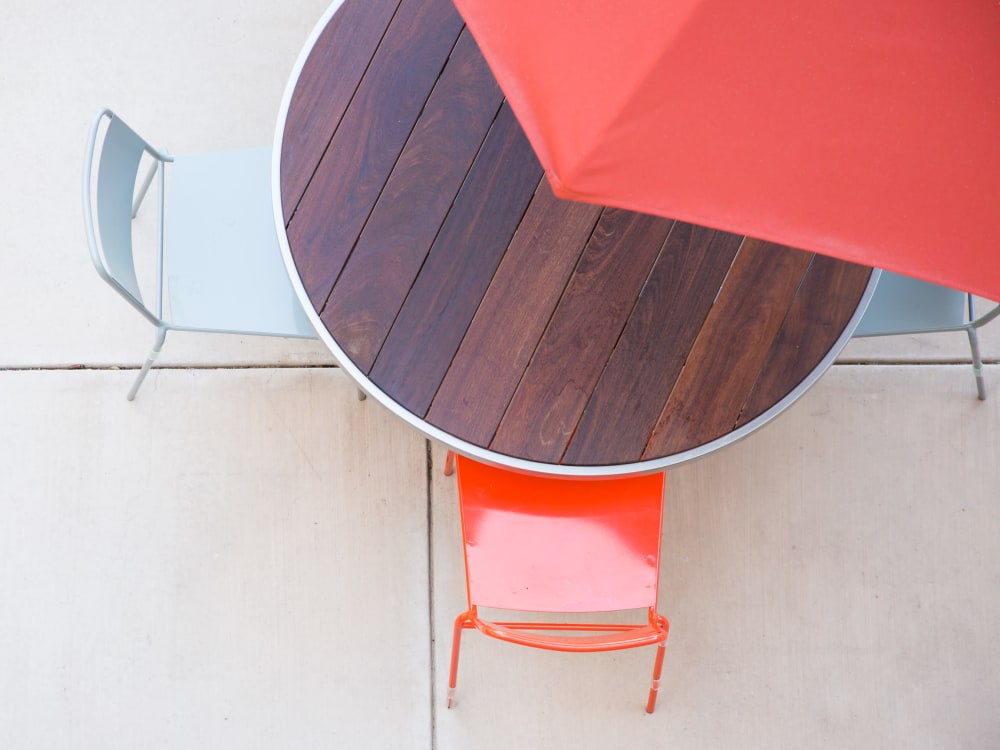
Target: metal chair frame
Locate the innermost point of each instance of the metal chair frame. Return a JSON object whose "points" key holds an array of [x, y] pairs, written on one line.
{"points": [[628, 502]]}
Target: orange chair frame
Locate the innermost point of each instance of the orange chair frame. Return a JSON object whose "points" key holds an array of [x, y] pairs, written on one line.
{"points": [[620, 509]]}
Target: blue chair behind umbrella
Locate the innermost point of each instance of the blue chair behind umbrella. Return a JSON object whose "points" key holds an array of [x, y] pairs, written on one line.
{"points": [[903, 305], [218, 261]]}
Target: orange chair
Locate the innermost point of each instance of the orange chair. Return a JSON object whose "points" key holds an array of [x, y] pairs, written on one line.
{"points": [[554, 544]]}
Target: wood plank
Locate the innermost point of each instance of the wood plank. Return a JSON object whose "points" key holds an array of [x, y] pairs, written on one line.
{"points": [[731, 348], [496, 349], [648, 358], [369, 140], [320, 99], [578, 341], [459, 267], [824, 304], [413, 205]]}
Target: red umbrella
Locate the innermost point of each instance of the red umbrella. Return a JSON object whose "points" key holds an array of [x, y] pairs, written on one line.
{"points": [[864, 129]]}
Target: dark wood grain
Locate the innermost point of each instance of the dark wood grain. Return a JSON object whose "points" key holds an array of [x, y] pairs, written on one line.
{"points": [[731, 347], [437, 312], [369, 139], [541, 329], [517, 306], [647, 360], [579, 340], [320, 99], [823, 305], [413, 205]]}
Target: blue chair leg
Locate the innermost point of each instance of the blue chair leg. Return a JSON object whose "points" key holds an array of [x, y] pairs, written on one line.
{"points": [[977, 363], [161, 335], [143, 189]]}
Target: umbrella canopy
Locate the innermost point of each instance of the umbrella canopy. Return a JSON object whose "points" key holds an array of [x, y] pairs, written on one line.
{"points": [[862, 129]]}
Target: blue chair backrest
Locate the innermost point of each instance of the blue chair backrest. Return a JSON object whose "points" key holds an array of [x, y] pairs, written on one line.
{"points": [[118, 166]]}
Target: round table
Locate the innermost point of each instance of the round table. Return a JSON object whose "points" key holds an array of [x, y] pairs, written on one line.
{"points": [[519, 329]]}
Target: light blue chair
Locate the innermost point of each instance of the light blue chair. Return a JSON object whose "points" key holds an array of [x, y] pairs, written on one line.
{"points": [[219, 260], [902, 305]]}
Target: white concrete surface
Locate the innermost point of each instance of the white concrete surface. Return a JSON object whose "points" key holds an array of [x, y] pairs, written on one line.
{"points": [[240, 559]]}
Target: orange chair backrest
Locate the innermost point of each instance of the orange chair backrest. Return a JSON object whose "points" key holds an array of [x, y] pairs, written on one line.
{"points": [[555, 544]]}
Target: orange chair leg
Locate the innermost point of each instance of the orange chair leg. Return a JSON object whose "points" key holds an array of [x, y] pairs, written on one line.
{"points": [[449, 464], [456, 642], [657, 669]]}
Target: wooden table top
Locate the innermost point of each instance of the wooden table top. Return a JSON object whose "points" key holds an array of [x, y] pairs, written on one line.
{"points": [[516, 327]]}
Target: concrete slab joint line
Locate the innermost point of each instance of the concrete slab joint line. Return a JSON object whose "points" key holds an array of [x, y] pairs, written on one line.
{"points": [[432, 646], [127, 368]]}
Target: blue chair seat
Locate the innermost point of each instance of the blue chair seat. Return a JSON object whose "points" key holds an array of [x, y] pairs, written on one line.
{"points": [[224, 269]]}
